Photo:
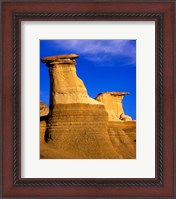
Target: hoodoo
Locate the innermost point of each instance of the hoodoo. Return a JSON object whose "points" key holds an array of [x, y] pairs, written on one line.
{"points": [[77, 124], [121, 127], [113, 105]]}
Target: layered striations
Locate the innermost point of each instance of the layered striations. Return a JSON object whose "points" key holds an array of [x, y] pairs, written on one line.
{"points": [[77, 125], [44, 111]]}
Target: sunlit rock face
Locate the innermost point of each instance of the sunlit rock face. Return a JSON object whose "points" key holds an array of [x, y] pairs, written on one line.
{"points": [[77, 124], [65, 86], [113, 105], [121, 127], [123, 138], [44, 109]]}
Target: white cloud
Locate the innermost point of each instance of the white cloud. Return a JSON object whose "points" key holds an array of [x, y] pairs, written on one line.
{"points": [[99, 50]]}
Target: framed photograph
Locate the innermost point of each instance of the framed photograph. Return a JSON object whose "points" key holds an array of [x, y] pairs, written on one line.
{"points": [[77, 97], [88, 99]]}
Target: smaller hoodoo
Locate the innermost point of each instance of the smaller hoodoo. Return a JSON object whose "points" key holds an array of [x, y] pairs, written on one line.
{"points": [[113, 105]]}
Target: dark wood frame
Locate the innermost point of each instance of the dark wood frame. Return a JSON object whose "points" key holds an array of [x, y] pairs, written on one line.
{"points": [[12, 15]]}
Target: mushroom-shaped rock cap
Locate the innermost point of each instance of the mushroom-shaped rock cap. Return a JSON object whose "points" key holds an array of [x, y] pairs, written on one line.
{"points": [[115, 93], [119, 93], [59, 57], [44, 110]]}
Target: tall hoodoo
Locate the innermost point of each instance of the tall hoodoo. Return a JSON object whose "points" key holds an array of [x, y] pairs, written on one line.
{"points": [[113, 105], [77, 125], [65, 86]]}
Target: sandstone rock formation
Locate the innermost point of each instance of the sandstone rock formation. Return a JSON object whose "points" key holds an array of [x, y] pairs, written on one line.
{"points": [[65, 86], [77, 124], [113, 105], [44, 111], [123, 138], [125, 117]]}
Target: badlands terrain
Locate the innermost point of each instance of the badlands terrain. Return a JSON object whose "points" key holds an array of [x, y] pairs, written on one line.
{"points": [[76, 126]]}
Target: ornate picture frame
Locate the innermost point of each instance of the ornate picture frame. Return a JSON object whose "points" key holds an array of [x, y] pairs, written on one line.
{"points": [[12, 15]]}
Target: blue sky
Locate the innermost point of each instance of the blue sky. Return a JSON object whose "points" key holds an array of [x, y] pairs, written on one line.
{"points": [[104, 65]]}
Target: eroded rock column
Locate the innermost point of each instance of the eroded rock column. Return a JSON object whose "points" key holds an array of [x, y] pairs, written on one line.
{"points": [[113, 105], [77, 125], [44, 111]]}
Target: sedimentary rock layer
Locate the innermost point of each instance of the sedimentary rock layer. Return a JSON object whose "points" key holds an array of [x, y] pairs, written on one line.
{"points": [[44, 111], [79, 131], [77, 125], [123, 138], [43, 126], [65, 86]]}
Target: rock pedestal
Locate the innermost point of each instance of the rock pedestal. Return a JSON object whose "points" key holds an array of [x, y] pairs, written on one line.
{"points": [[44, 110], [77, 125], [43, 126], [113, 105]]}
